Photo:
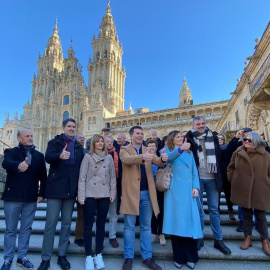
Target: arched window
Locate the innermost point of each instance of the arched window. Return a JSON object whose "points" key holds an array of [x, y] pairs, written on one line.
{"points": [[94, 120], [105, 54], [66, 100], [65, 115], [81, 118]]}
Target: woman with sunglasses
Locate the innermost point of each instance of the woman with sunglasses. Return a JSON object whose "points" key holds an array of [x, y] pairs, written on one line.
{"points": [[249, 173]]}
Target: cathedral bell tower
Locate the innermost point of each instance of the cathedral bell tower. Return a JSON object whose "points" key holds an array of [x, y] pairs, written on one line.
{"points": [[106, 75], [185, 97]]}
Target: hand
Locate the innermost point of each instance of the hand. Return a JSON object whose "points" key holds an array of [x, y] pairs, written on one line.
{"points": [[111, 199], [239, 134], [164, 156], [195, 192], [185, 146], [81, 202], [40, 199], [148, 156], [65, 154], [23, 166]]}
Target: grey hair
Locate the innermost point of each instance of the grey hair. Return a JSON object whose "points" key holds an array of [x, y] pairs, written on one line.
{"points": [[122, 134], [198, 117], [151, 130], [108, 136], [76, 135], [88, 143], [256, 139]]}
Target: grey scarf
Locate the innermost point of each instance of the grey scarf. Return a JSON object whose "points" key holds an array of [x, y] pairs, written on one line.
{"points": [[207, 136]]}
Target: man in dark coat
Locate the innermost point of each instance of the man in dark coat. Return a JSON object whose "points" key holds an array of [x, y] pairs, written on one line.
{"points": [[205, 147], [64, 154], [25, 167]]}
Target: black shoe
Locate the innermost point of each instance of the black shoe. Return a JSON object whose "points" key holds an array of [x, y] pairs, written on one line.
{"points": [[219, 244], [127, 265], [6, 265], [150, 263], [79, 242], [240, 227], [200, 244], [63, 262], [25, 263], [44, 265]]}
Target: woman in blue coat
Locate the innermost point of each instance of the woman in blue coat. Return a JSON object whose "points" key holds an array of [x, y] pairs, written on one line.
{"points": [[181, 209]]}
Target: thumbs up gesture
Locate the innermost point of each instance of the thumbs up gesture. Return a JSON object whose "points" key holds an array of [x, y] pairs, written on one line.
{"points": [[148, 156], [65, 154], [185, 146], [164, 156], [23, 166]]}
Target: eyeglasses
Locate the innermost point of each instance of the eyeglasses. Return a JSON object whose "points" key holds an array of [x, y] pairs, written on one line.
{"points": [[247, 140]]}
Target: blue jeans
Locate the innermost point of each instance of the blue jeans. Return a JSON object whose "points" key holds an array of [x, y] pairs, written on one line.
{"points": [[145, 229], [13, 211], [212, 194]]}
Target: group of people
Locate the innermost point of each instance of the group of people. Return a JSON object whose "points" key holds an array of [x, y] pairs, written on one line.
{"points": [[114, 176]]}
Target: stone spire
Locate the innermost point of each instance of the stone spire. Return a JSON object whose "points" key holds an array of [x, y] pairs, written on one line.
{"points": [[107, 27], [185, 96], [54, 46]]}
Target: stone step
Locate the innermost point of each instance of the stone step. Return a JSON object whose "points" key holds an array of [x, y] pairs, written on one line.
{"points": [[115, 263], [229, 232], [254, 253]]}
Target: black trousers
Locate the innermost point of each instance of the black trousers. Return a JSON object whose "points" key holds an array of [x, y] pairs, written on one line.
{"points": [[100, 207], [184, 249], [227, 191], [157, 222], [261, 222]]}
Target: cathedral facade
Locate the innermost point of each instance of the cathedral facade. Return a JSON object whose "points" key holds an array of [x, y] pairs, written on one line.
{"points": [[59, 92]]}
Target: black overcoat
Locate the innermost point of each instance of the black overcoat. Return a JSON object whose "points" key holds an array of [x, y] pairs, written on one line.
{"points": [[23, 186], [62, 182]]}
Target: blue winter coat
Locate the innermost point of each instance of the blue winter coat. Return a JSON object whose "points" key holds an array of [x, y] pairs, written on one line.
{"points": [[181, 213]]}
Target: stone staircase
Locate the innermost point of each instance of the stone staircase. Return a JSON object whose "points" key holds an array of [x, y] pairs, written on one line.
{"points": [[232, 238]]}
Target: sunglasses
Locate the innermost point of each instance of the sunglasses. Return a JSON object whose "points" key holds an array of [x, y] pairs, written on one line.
{"points": [[247, 140]]}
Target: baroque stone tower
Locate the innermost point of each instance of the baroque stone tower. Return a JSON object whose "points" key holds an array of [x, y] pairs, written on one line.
{"points": [[106, 75], [185, 96], [58, 92]]}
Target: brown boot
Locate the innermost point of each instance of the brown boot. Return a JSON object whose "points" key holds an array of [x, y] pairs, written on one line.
{"points": [[247, 243], [265, 246]]}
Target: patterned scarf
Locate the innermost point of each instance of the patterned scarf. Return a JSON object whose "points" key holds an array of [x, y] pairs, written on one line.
{"points": [[71, 148], [115, 160], [207, 136]]}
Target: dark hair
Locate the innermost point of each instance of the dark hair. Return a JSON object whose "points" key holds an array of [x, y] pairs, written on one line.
{"points": [[170, 138], [88, 143], [131, 131], [152, 141], [164, 139], [64, 123]]}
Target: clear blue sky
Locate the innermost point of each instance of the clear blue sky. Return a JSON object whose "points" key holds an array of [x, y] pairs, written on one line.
{"points": [[207, 40]]}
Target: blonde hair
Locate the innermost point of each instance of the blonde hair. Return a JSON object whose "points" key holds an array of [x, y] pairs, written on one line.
{"points": [[95, 139]]}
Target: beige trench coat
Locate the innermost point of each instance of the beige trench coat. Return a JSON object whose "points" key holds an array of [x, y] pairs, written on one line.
{"points": [[131, 162]]}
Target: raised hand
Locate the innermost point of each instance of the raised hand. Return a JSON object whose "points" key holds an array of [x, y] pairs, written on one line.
{"points": [[65, 154], [23, 166], [148, 156], [185, 146], [239, 134], [164, 156]]}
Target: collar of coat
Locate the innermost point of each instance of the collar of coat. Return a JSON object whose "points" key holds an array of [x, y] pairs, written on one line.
{"points": [[133, 150], [100, 157]]}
